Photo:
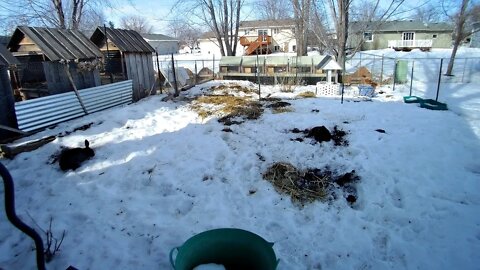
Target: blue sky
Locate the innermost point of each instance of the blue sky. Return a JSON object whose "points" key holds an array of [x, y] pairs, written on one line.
{"points": [[158, 12]]}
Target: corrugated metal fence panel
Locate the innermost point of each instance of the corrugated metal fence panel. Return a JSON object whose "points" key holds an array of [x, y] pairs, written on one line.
{"points": [[107, 96], [47, 111]]}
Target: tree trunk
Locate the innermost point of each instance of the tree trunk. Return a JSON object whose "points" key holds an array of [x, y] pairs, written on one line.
{"points": [[237, 26], [218, 36], [301, 10], [459, 35], [57, 4]]}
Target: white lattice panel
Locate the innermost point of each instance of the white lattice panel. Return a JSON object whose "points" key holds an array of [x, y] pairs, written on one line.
{"points": [[328, 89]]}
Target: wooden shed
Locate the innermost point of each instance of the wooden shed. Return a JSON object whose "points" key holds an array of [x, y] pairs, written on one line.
{"points": [[7, 102], [128, 54], [45, 53]]}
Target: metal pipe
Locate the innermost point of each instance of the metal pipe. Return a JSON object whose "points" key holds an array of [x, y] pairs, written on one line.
{"points": [[411, 78], [439, 78], [12, 216]]}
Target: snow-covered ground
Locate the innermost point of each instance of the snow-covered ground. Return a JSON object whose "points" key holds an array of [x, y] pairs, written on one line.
{"points": [[162, 174]]}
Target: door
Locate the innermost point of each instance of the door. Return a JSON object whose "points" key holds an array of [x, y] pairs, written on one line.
{"points": [[408, 39]]}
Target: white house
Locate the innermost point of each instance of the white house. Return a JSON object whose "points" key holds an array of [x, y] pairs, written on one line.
{"points": [[257, 37]]}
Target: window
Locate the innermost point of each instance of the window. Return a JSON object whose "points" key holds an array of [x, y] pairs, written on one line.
{"points": [[294, 48], [262, 32], [434, 36], [368, 36], [276, 48], [408, 36], [247, 31], [275, 30]]}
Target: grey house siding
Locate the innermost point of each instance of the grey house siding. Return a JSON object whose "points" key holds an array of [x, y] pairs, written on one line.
{"points": [[380, 40]]}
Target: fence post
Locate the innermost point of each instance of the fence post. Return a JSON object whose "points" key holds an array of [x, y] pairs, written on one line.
{"points": [[394, 73], [373, 65], [411, 78], [381, 72], [174, 78], [213, 67], [439, 78], [158, 71], [195, 77]]}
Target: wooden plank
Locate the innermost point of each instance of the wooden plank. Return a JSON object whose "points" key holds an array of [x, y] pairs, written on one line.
{"points": [[132, 74], [151, 70], [13, 130], [11, 152], [139, 68], [146, 78]]}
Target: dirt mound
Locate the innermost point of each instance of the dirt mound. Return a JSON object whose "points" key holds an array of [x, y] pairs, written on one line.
{"points": [[312, 184], [322, 134]]}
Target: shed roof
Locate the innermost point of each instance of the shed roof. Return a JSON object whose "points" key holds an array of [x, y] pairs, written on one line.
{"points": [[56, 44], [6, 57], [328, 63], [125, 40], [231, 61], [158, 37]]}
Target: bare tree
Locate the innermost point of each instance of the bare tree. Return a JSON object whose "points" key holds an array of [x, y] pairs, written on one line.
{"points": [[66, 14], [186, 32], [222, 17], [428, 13], [301, 11], [459, 34], [136, 23], [334, 17], [273, 9]]}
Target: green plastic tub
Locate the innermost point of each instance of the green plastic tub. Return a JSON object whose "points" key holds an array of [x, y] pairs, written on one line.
{"points": [[412, 99], [431, 104], [232, 248]]}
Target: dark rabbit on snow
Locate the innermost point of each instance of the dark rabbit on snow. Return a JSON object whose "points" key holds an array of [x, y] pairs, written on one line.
{"points": [[72, 158]]}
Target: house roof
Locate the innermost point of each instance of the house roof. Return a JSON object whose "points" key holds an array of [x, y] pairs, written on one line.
{"points": [[6, 57], [125, 40], [401, 26], [267, 23], [158, 37], [56, 44]]}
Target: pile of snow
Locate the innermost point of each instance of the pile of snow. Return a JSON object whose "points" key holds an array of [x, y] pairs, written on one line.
{"points": [[162, 174]]}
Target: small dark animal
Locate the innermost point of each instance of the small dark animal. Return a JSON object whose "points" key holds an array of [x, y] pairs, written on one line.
{"points": [[72, 158]]}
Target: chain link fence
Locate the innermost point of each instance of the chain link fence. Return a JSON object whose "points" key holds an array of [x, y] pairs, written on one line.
{"points": [[185, 70]]}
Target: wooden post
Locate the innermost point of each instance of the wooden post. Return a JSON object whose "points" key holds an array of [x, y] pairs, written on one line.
{"points": [[67, 69], [381, 72], [213, 67], [159, 73], [175, 86], [108, 52], [195, 76], [122, 59], [8, 118]]}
